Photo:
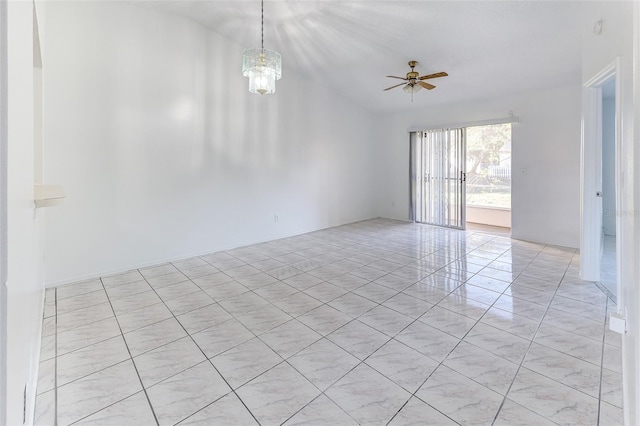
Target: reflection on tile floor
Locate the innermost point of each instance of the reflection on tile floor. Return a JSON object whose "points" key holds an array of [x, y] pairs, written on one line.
{"points": [[608, 265], [377, 322]]}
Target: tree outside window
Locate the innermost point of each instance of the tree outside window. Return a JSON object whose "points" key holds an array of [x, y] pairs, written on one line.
{"points": [[489, 166]]}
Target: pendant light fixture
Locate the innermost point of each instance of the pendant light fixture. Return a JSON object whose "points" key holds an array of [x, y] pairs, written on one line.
{"points": [[262, 66]]}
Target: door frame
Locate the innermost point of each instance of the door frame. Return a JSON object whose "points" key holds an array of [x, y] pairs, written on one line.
{"points": [[591, 173]]}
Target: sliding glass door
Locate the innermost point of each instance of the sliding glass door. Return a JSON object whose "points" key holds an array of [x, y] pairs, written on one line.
{"points": [[438, 177]]}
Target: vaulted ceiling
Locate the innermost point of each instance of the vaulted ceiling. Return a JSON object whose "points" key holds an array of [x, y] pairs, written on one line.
{"points": [[489, 48]]}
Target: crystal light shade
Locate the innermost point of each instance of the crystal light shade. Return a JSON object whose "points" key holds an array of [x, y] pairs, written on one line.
{"points": [[263, 67], [412, 88]]}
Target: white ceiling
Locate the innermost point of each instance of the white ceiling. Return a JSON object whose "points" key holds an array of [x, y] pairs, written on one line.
{"points": [[489, 48]]}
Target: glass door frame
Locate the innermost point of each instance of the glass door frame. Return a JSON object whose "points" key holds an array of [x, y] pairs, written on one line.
{"points": [[438, 177]]}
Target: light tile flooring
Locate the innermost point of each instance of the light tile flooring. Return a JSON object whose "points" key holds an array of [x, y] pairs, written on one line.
{"points": [[608, 265], [377, 322]]}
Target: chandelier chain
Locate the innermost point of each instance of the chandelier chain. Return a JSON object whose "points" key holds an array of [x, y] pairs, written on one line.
{"points": [[262, 25]]}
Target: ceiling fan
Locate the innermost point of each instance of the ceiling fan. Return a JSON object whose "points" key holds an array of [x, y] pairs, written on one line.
{"points": [[413, 80]]}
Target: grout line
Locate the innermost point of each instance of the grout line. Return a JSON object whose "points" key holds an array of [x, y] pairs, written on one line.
{"points": [[130, 358], [480, 319], [207, 359], [350, 240], [111, 404], [285, 360], [606, 291], [460, 340], [363, 361], [531, 341], [604, 336]]}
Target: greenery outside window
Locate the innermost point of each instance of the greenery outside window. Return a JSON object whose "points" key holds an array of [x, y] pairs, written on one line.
{"points": [[489, 166]]}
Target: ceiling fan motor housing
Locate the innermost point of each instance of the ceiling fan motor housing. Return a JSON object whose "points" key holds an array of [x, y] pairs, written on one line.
{"points": [[412, 75]]}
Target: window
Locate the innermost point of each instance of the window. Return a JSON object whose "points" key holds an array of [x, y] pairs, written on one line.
{"points": [[489, 166]]}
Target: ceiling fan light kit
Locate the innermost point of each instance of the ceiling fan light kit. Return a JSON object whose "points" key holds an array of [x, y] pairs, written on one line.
{"points": [[414, 82], [412, 88], [262, 66]]}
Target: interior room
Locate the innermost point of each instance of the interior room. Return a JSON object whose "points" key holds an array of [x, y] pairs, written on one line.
{"points": [[331, 212]]}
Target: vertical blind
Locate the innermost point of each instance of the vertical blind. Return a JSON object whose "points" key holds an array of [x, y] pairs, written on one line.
{"points": [[437, 177]]}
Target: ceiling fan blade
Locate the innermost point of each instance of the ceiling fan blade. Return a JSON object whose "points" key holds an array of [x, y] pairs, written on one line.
{"points": [[426, 85], [388, 88], [393, 76], [436, 75]]}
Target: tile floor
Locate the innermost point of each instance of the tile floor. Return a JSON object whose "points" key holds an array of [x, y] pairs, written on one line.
{"points": [[608, 266], [377, 322]]}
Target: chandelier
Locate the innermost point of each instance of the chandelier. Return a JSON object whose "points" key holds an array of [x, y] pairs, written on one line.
{"points": [[262, 66]]}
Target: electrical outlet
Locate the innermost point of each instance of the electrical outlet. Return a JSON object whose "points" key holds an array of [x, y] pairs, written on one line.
{"points": [[276, 218]]}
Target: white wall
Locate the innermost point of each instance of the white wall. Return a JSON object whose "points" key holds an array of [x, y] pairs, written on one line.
{"points": [[608, 166], [25, 279], [631, 344], [164, 153], [4, 148], [598, 52], [545, 190]]}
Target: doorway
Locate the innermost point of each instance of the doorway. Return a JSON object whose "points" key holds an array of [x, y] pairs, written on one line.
{"points": [[600, 180], [488, 160], [608, 161], [437, 170]]}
